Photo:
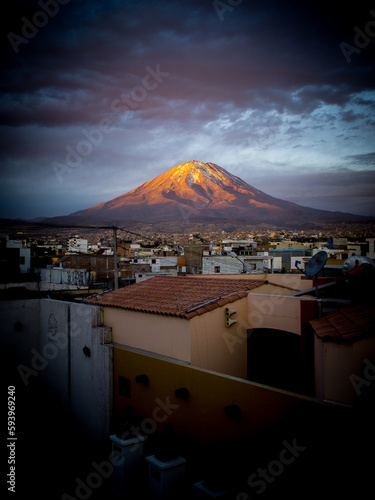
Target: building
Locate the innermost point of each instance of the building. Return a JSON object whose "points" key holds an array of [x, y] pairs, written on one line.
{"points": [[291, 245], [231, 264], [200, 320], [193, 257], [238, 364], [179, 317], [58, 278], [289, 256], [204, 322], [344, 353], [370, 248], [100, 267], [15, 258], [77, 245], [154, 264], [240, 247]]}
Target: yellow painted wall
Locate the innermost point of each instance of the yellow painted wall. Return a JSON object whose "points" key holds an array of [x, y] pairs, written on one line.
{"points": [[202, 416], [335, 262], [165, 335], [337, 366], [278, 312], [204, 340], [271, 289], [217, 347], [291, 280]]}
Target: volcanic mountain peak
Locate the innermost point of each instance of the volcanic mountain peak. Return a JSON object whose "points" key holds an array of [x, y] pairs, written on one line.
{"points": [[203, 191], [199, 172]]}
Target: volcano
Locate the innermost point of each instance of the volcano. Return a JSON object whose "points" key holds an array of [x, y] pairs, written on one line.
{"points": [[206, 192]]}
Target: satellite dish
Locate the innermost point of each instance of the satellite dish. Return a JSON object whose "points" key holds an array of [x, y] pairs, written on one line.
{"points": [[316, 264]]}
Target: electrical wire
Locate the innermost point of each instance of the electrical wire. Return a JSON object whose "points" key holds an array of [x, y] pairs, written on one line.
{"points": [[71, 226]]}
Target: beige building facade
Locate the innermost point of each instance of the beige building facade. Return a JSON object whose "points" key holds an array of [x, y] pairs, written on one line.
{"points": [[209, 333]]}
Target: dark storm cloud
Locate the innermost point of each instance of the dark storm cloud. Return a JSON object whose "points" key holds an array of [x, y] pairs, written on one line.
{"points": [[101, 50], [362, 159]]}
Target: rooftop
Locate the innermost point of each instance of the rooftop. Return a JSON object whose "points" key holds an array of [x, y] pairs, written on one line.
{"points": [[179, 296], [346, 325]]}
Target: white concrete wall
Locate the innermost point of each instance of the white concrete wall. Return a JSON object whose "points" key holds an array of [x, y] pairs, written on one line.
{"points": [[91, 377], [26, 254], [49, 344], [54, 347], [17, 340], [371, 252], [77, 245], [228, 265], [75, 277]]}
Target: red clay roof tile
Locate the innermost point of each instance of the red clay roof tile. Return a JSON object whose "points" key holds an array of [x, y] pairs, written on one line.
{"points": [[346, 325], [180, 296]]}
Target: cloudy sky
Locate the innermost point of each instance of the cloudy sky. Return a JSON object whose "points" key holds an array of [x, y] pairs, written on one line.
{"points": [[100, 96]]}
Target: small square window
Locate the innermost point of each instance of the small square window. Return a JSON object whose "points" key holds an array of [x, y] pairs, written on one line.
{"points": [[217, 269], [124, 387]]}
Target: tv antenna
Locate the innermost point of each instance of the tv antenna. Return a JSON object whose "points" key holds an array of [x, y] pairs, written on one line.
{"points": [[245, 267], [313, 267]]}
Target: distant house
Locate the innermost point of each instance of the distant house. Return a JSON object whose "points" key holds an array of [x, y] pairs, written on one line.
{"points": [[58, 278], [14, 258], [227, 264], [193, 257], [77, 245]]}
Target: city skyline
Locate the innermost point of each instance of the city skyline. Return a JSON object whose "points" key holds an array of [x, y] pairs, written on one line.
{"points": [[99, 98]]}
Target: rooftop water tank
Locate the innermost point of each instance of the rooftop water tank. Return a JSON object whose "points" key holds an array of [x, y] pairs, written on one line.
{"points": [[356, 261]]}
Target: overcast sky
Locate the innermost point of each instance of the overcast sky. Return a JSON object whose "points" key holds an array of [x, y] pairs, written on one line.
{"points": [[98, 97]]}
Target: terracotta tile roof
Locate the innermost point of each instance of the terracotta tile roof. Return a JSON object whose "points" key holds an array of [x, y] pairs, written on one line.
{"points": [[180, 296], [346, 325]]}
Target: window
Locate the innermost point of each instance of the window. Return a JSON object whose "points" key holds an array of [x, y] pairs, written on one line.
{"points": [[22, 260], [217, 269], [124, 387]]}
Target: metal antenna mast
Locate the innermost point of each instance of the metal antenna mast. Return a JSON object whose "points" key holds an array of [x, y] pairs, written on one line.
{"points": [[115, 270]]}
